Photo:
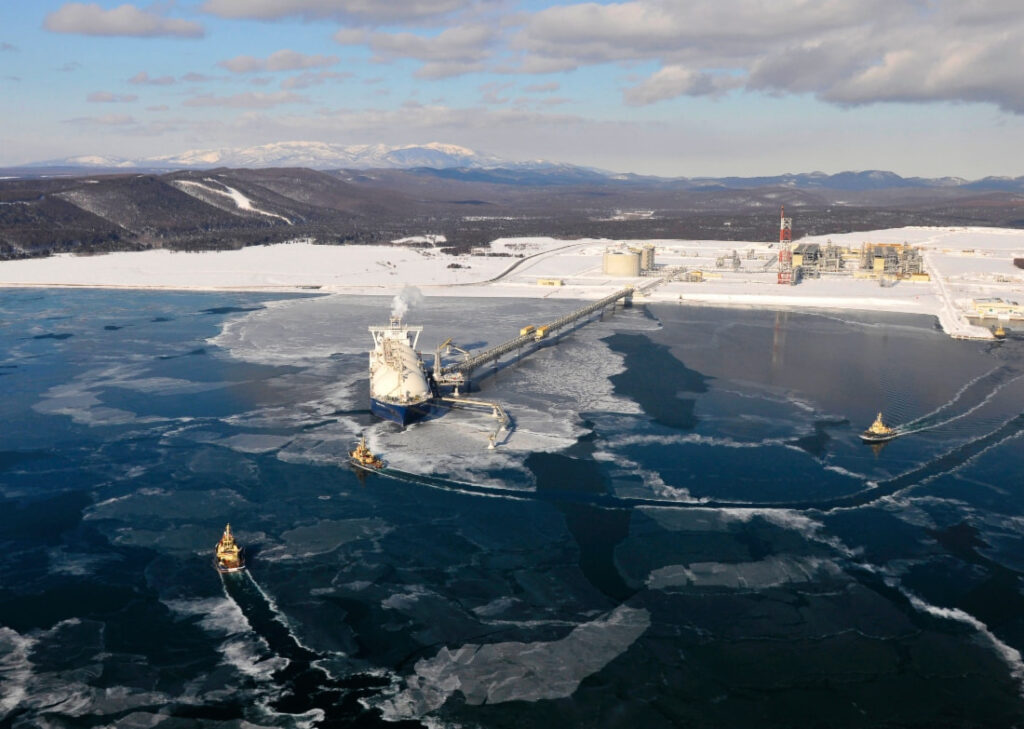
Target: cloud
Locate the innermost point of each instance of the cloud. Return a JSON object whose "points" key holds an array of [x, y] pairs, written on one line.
{"points": [[105, 97], [116, 127], [359, 12], [964, 53], [125, 20], [196, 78], [491, 93], [713, 31], [305, 80], [143, 78], [247, 100], [543, 88], [443, 121], [845, 53], [107, 120], [453, 52], [158, 107], [672, 81], [70, 66], [284, 60], [8, 47]]}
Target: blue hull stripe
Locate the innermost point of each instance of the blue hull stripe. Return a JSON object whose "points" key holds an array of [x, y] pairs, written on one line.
{"points": [[401, 414]]}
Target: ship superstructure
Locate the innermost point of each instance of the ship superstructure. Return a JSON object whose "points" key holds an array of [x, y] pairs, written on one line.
{"points": [[228, 554], [399, 389]]}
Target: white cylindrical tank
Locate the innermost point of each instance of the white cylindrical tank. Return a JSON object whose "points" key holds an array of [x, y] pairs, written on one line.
{"points": [[620, 263]]}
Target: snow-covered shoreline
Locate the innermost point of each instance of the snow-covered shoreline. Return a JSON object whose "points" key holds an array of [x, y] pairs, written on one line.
{"points": [[964, 263]]}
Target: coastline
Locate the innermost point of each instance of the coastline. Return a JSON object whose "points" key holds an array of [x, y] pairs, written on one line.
{"points": [[963, 264]]}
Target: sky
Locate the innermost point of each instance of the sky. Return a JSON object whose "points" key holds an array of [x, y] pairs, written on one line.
{"points": [[667, 87]]}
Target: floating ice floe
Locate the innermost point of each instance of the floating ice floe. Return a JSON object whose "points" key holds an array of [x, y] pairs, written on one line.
{"points": [[498, 672], [770, 572], [323, 537]]}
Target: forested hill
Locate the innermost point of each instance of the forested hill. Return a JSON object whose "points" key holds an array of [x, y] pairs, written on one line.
{"points": [[232, 208]]}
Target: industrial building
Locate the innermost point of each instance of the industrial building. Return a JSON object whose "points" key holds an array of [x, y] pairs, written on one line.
{"points": [[646, 257], [892, 259], [996, 308]]}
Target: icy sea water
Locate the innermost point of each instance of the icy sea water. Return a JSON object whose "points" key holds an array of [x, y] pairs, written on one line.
{"points": [[681, 530]]}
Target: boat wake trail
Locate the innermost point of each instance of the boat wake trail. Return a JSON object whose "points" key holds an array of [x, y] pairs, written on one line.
{"points": [[942, 465], [997, 379], [306, 690]]}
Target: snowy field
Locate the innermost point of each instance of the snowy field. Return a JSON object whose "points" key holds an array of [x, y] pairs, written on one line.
{"points": [[965, 263]]}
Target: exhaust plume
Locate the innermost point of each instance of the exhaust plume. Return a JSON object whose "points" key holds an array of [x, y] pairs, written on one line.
{"points": [[406, 299]]}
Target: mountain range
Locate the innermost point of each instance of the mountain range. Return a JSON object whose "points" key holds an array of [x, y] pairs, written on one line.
{"points": [[460, 163], [312, 155]]}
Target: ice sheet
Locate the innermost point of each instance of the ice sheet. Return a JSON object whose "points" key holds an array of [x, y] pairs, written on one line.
{"points": [[771, 572], [499, 672]]}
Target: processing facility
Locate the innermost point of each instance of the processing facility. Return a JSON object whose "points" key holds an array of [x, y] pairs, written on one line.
{"points": [[887, 262]]}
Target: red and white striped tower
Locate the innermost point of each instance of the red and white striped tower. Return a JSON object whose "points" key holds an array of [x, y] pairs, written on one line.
{"points": [[785, 228], [785, 251]]}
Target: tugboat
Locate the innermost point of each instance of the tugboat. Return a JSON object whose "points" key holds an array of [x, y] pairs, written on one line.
{"points": [[363, 458], [999, 332], [228, 557], [879, 432]]}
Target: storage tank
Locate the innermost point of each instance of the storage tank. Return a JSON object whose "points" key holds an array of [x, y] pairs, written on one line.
{"points": [[620, 263]]}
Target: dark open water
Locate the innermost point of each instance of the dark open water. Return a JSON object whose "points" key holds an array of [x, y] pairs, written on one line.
{"points": [[682, 530]]}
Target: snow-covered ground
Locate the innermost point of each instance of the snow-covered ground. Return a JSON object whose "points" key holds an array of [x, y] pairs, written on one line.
{"points": [[965, 263], [240, 200]]}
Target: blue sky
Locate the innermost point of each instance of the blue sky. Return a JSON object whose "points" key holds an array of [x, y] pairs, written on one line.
{"points": [[669, 87]]}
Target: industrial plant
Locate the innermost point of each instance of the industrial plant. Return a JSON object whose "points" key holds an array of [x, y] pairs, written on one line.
{"points": [[887, 262]]}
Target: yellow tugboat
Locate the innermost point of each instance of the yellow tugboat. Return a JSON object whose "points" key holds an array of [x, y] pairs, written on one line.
{"points": [[879, 432], [999, 332], [363, 458], [228, 557]]}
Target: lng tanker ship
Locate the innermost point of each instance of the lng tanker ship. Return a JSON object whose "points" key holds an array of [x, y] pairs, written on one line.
{"points": [[399, 389]]}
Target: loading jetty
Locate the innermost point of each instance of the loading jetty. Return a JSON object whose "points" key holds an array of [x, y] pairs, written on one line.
{"points": [[531, 337], [447, 380]]}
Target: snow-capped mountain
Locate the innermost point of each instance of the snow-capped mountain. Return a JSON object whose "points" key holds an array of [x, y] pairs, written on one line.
{"points": [[95, 160], [454, 162], [314, 155]]}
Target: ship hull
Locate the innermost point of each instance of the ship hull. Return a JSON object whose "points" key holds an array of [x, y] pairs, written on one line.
{"points": [[871, 438], [401, 414], [227, 570], [365, 466]]}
